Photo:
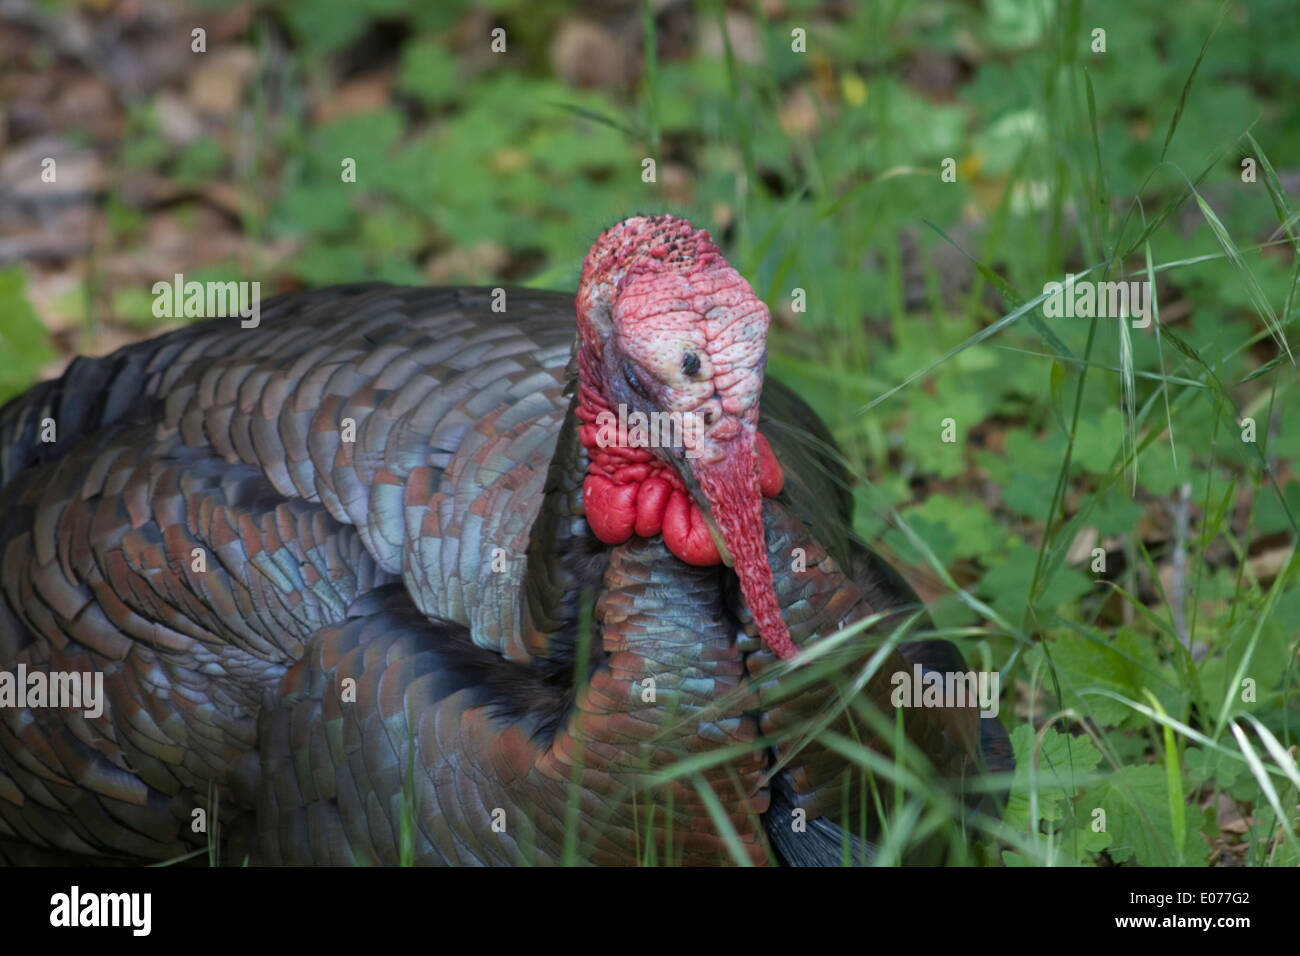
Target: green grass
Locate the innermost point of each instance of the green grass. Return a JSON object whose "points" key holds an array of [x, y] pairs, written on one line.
{"points": [[1186, 398]]}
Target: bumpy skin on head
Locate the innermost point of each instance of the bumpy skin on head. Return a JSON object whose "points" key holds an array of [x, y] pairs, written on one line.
{"points": [[667, 325]]}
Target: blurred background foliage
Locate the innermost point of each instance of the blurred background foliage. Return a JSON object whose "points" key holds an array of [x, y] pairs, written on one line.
{"points": [[818, 169]]}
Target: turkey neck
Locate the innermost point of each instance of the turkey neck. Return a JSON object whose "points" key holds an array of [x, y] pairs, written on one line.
{"points": [[661, 617], [671, 681], [677, 674]]}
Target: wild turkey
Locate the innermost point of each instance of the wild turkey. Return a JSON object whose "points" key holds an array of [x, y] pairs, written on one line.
{"points": [[337, 573]]}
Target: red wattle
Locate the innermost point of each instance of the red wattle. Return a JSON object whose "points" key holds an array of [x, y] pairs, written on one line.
{"points": [[650, 504], [770, 478], [629, 491], [611, 508], [686, 534]]}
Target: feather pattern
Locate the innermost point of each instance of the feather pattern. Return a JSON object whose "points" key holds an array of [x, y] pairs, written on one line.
{"points": [[333, 571]]}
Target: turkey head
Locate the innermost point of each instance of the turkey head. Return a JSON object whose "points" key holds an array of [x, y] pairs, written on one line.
{"points": [[672, 348]]}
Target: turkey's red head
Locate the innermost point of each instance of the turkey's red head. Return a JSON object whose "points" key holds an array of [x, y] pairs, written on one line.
{"points": [[672, 351]]}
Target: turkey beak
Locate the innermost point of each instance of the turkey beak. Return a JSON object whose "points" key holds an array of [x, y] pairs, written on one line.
{"points": [[725, 484]]}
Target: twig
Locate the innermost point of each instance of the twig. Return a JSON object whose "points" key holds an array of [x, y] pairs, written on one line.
{"points": [[1177, 590]]}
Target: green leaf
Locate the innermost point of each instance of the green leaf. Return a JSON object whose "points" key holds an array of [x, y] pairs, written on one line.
{"points": [[327, 25], [1204, 766], [1061, 760], [200, 163], [953, 529], [313, 210], [1270, 516], [1127, 664], [1007, 586], [1136, 801], [24, 343], [428, 71]]}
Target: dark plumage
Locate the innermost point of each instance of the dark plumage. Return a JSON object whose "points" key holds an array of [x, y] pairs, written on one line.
{"points": [[322, 630]]}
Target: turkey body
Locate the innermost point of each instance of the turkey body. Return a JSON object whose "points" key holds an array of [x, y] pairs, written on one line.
{"points": [[337, 577]]}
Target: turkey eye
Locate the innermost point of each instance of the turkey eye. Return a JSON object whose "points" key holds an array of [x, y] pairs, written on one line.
{"points": [[690, 364]]}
